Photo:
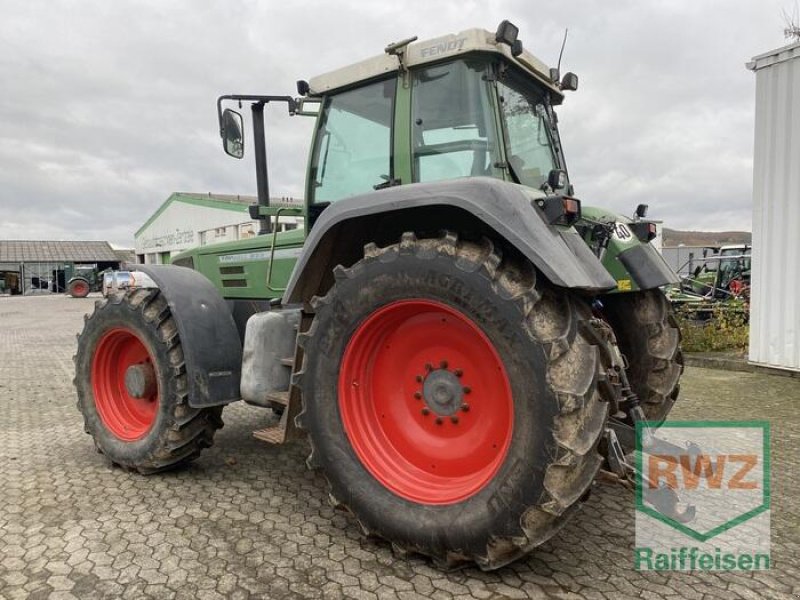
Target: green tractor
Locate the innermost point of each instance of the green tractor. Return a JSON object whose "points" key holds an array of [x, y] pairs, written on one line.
{"points": [[461, 342], [82, 279], [720, 284]]}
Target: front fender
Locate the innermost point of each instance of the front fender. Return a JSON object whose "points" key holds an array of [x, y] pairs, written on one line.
{"points": [[211, 345], [504, 208], [633, 263]]}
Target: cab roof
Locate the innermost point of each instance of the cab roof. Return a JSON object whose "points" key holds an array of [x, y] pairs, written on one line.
{"points": [[429, 51]]}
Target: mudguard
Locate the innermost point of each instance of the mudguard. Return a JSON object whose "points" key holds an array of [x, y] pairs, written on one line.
{"points": [[506, 208], [647, 267], [211, 345], [633, 263]]}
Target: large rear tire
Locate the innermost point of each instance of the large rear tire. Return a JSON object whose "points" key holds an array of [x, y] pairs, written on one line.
{"points": [[648, 336], [450, 399], [132, 388]]}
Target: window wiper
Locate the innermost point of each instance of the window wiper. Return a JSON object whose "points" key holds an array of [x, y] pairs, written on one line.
{"points": [[388, 182]]}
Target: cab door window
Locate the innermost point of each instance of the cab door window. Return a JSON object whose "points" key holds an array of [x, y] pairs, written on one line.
{"points": [[453, 133], [352, 149], [529, 143]]}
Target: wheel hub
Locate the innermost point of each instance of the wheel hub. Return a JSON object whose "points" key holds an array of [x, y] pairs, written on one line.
{"points": [[140, 380], [442, 392]]}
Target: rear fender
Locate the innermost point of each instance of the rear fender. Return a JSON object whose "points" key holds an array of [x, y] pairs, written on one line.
{"points": [[500, 209]]}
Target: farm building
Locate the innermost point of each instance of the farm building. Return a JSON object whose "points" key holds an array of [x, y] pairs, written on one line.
{"points": [[186, 220], [774, 311], [40, 267]]}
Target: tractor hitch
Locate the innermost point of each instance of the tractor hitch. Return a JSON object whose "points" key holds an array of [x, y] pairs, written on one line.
{"points": [[659, 495]]}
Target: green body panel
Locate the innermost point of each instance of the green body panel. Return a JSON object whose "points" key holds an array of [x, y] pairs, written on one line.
{"points": [[401, 139], [622, 239], [310, 164], [241, 269]]}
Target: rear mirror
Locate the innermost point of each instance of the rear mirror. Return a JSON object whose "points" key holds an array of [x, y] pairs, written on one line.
{"points": [[557, 179], [641, 211], [231, 132], [570, 82]]}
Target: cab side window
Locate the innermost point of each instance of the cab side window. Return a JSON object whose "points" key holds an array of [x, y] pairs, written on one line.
{"points": [[353, 145], [451, 125]]}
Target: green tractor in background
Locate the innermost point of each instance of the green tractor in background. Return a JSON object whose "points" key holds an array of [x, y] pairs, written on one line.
{"points": [[461, 341], [720, 283], [82, 279]]}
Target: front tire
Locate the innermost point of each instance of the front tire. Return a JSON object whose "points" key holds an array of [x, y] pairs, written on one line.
{"points": [[132, 388], [649, 338], [403, 340]]}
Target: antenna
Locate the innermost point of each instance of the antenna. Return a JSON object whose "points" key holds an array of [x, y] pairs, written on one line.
{"points": [[560, 54], [792, 29]]}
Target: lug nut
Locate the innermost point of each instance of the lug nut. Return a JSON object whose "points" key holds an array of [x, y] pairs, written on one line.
{"points": [[465, 407], [454, 419], [443, 364], [426, 411], [419, 378], [458, 372], [467, 389], [417, 395], [428, 367], [438, 420]]}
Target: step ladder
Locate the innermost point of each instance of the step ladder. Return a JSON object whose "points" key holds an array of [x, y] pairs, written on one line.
{"points": [[285, 429]]}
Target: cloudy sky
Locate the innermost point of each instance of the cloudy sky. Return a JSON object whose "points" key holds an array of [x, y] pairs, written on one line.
{"points": [[108, 107]]}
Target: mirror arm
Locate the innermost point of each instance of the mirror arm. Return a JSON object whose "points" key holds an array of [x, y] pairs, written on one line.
{"points": [[259, 141], [291, 103], [262, 178]]}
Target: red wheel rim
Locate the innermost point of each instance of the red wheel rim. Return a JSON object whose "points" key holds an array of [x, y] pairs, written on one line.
{"points": [[129, 418], [398, 387], [80, 288]]}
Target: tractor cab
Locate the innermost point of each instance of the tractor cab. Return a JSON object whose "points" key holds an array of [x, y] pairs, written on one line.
{"points": [[473, 115], [470, 104]]}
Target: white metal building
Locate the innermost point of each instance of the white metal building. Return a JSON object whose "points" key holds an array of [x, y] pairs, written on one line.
{"points": [[774, 312], [186, 220]]}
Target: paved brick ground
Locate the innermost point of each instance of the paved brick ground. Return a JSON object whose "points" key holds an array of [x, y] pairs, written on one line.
{"points": [[248, 520]]}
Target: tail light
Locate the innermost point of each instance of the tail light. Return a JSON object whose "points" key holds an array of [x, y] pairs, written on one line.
{"points": [[560, 210], [644, 230]]}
